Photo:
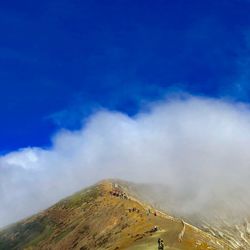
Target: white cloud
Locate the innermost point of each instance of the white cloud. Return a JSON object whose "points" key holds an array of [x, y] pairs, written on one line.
{"points": [[198, 147], [25, 158]]}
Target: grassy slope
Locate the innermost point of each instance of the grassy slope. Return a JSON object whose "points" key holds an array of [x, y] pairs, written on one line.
{"points": [[93, 219]]}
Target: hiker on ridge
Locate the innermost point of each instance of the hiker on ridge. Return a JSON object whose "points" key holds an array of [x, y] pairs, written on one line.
{"points": [[161, 244]]}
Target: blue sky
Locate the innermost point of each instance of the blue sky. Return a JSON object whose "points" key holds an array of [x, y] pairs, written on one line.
{"points": [[62, 60]]}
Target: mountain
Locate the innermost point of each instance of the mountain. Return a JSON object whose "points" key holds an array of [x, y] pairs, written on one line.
{"points": [[109, 215]]}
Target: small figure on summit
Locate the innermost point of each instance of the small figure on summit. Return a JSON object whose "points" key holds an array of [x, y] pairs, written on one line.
{"points": [[159, 241], [161, 244], [154, 229]]}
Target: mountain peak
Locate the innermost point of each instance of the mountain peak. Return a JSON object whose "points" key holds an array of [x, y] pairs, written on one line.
{"points": [[107, 215]]}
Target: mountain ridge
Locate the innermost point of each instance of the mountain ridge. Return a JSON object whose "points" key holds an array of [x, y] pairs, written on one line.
{"points": [[107, 215]]}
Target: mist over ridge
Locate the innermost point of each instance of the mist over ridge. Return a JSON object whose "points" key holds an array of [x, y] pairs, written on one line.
{"points": [[197, 146]]}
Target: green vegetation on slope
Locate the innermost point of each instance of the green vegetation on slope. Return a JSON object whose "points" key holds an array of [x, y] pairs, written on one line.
{"points": [[39, 228]]}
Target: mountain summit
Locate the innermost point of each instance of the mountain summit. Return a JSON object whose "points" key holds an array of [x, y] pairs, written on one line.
{"points": [[108, 215]]}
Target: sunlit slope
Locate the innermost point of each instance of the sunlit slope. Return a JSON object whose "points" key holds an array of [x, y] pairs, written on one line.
{"points": [[96, 219]]}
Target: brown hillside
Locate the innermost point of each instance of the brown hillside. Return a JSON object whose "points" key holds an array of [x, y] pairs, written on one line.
{"points": [[104, 216]]}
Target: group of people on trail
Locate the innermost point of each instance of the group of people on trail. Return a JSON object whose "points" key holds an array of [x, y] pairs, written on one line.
{"points": [[149, 212], [134, 209], [118, 193], [161, 244]]}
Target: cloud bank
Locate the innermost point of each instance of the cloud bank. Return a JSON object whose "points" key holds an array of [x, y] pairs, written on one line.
{"points": [[198, 147]]}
